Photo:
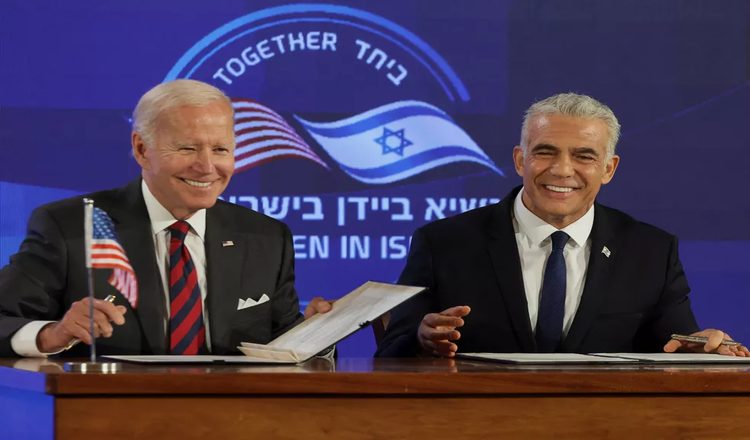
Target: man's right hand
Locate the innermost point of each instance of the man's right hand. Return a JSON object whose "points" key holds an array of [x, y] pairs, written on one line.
{"points": [[75, 324], [437, 330]]}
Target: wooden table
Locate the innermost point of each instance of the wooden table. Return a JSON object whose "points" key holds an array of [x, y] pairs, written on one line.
{"points": [[374, 399]]}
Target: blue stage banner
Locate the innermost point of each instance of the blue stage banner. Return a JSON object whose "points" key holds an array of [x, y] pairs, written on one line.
{"points": [[359, 121]]}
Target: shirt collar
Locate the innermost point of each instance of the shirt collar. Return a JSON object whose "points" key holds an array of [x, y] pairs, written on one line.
{"points": [[537, 230], [161, 219]]}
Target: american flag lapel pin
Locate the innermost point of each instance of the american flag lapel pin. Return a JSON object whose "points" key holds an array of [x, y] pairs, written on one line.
{"points": [[606, 251], [227, 243]]}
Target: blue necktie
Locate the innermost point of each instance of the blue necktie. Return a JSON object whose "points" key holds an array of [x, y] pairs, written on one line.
{"points": [[549, 324]]}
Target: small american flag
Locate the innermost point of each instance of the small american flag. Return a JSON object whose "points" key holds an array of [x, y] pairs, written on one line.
{"points": [[263, 135], [106, 253]]}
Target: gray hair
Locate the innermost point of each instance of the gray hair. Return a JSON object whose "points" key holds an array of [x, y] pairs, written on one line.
{"points": [[579, 106], [169, 95]]}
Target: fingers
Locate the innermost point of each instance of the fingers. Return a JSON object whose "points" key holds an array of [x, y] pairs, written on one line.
{"points": [[726, 351], [672, 346], [435, 320], [318, 305], [77, 323], [113, 313], [441, 348], [715, 338], [458, 311]]}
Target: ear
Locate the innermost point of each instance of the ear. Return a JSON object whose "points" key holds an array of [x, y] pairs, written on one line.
{"points": [[609, 169], [518, 160], [139, 150]]}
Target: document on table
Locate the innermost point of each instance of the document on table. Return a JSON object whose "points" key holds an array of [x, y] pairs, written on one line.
{"points": [[605, 358], [678, 358], [354, 311], [544, 358], [178, 359]]}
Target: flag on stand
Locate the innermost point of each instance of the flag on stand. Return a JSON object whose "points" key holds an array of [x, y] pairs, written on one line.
{"points": [[107, 253]]}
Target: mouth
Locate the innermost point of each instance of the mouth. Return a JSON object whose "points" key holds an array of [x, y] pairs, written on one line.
{"points": [[560, 189], [196, 183]]}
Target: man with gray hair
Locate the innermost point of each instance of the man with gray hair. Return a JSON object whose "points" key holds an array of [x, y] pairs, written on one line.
{"points": [[195, 257], [548, 269]]}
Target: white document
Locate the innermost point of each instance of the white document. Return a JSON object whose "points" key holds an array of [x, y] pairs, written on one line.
{"points": [[178, 359], [544, 358], [678, 358], [350, 313]]}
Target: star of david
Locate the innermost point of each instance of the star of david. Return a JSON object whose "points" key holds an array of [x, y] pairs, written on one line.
{"points": [[388, 148]]}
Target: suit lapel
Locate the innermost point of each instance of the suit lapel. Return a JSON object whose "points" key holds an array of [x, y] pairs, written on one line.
{"points": [[224, 275], [503, 251], [134, 231], [604, 247]]}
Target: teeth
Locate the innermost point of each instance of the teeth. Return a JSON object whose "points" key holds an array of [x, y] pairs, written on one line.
{"points": [[198, 184], [558, 189]]}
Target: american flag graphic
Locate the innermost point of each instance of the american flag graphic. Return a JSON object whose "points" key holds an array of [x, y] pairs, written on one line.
{"points": [[263, 136], [106, 253]]}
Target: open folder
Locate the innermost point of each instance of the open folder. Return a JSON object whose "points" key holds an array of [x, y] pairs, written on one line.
{"points": [[352, 312]]}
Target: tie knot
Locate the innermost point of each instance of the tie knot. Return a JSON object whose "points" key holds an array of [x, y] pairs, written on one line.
{"points": [[559, 239], [179, 230]]}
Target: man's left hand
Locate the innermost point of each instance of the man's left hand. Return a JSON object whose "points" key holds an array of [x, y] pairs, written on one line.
{"points": [[713, 346], [318, 305]]}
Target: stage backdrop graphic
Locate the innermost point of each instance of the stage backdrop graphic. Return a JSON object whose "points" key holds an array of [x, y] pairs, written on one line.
{"points": [[358, 122]]}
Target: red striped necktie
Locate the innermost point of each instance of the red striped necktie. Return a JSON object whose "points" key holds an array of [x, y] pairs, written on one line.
{"points": [[186, 330]]}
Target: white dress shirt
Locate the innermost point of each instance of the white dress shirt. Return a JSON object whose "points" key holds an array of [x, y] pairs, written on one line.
{"points": [[23, 341], [534, 248]]}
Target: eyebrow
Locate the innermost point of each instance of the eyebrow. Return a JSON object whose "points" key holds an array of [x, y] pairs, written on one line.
{"points": [[577, 150], [586, 150], [544, 147]]}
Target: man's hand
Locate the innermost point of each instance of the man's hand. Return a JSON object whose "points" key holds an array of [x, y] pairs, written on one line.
{"points": [[318, 305], [437, 330], [713, 346], [75, 324]]}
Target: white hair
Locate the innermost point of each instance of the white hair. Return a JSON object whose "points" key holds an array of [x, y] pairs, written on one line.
{"points": [[579, 106], [169, 95]]}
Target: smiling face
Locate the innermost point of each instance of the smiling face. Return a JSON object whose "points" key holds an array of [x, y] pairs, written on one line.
{"points": [[563, 167], [192, 157]]}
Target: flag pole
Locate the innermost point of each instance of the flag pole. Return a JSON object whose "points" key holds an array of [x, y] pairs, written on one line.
{"points": [[88, 239]]}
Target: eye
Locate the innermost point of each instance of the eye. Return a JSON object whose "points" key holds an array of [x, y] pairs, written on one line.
{"points": [[221, 150], [586, 158], [187, 149]]}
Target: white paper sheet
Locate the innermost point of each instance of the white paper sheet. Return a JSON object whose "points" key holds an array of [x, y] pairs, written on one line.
{"points": [[177, 359], [679, 358], [544, 358]]}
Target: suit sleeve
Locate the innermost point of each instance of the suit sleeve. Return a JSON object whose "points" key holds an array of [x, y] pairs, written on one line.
{"points": [[285, 308], [400, 338], [31, 285], [673, 313]]}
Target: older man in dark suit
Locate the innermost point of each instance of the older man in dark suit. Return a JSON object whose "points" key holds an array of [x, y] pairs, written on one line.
{"points": [[197, 259], [548, 269]]}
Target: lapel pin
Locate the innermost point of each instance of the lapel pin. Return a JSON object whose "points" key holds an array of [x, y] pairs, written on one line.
{"points": [[227, 243], [606, 251]]}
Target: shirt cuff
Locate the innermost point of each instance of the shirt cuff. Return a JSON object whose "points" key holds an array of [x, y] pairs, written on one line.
{"points": [[23, 342]]}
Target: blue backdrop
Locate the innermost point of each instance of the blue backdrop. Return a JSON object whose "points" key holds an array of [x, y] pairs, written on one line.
{"points": [[360, 121]]}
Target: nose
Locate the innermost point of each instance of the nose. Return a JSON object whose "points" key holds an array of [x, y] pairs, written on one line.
{"points": [[204, 162], [562, 166]]}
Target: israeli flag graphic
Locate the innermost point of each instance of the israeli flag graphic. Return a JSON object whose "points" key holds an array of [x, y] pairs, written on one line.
{"points": [[396, 141]]}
